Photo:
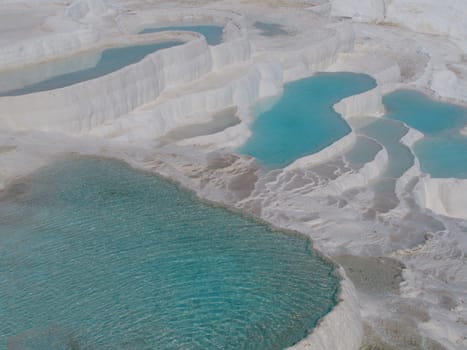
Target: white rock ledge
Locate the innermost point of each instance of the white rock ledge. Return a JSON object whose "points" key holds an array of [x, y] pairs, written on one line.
{"points": [[319, 55], [369, 172], [335, 149], [409, 140], [443, 196], [244, 88], [368, 103], [235, 46], [342, 327], [82, 106], [46, 47]]}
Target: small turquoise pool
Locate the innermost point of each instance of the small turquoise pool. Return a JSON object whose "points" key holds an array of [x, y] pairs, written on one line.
{"points": [[443, 156], [423, 113], [95, 255], [443, 150], [110, 60], [212, 33], [302, 120]]}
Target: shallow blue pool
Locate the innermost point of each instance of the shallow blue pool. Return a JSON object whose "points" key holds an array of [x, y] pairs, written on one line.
{"points": [[70, 71], [423, 113], [444, 156], [95, 255], [302, 120], [212, 33], [443, 150], [389, 133]]}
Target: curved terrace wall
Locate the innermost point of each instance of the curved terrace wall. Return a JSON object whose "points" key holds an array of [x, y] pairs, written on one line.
{"points": [[235, 46], [80, 107]]}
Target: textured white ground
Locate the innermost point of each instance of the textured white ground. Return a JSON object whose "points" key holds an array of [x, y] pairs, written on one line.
{"points": [[404, 249]]}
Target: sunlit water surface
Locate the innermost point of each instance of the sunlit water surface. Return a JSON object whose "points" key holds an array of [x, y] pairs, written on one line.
{"points": [[95, 255]]}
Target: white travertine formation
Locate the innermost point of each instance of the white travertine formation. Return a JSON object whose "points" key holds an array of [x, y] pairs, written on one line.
{"points": [[152, 122], [443, 196], [341, 328], [445, 18], [126, 115], [335, 149], [365, 104], [46, 47], [409, 140], [360, 10], [235, 46], [361, 178], [79, 9], [320, 54], [80, 107]]}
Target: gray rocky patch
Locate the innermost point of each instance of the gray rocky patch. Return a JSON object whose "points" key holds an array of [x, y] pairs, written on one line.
{"points": [[373, 275]]}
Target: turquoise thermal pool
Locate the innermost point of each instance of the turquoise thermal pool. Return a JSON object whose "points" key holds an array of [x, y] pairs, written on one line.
{"points": [[212, 33], [95, 255], [302, 121], [72, 70], [442, 151], [420, 112], [444, 156]]}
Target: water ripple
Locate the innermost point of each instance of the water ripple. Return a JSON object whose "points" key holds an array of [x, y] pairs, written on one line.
{"points": [[109, 258]]}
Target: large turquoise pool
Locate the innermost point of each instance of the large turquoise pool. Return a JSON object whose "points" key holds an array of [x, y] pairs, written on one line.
{"points": [[212, 33], [72, 70], [442, 151], [302, 120], [95, 255]]}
